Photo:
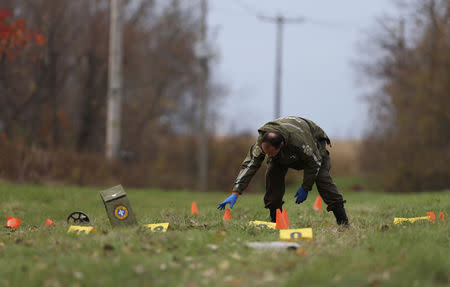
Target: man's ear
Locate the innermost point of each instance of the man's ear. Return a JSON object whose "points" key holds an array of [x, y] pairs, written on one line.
{"points": [[282, 144]]}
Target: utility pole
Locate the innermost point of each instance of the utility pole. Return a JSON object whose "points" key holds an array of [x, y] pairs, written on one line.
{"points": [[279, 21], [278, 61], [113, 121], [202, 52]]}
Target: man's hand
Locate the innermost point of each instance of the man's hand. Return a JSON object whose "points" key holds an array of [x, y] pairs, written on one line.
{"points": [[301, 195], [230, 199]]}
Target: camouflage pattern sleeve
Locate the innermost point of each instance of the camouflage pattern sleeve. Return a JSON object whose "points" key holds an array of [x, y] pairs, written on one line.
{"points": [[312, 159], [249, 167]]}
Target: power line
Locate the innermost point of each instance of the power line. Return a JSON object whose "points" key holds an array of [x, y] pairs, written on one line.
{"points": [[307, 20], [331, 24], [247, 8], [280, 21]]}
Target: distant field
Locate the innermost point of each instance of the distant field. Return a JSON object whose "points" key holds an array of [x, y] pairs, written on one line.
{"points": [[345, 157], [202, 250]]}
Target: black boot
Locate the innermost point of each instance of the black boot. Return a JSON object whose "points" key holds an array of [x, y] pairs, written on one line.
{"points": [[273, 211], [273, 215], [341, 216]]}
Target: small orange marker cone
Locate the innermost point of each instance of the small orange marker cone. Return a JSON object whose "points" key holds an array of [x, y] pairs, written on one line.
{"points": [[13, 222], [318, 204], [431, 215], [194, 209], [286, 218], [227, 215], [48, 222], [441, 216], [281, 222]]}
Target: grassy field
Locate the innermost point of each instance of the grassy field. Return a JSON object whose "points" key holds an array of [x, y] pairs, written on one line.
{"points": [[202, 250]]}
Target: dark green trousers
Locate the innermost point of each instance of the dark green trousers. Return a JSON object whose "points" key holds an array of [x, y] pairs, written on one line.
{"points": [[275, 186]]}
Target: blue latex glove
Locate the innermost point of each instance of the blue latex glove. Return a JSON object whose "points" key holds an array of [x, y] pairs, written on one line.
{"points": [[301, 195], [230, 199]]}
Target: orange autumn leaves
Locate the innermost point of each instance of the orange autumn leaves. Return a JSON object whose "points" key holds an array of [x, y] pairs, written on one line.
{"points": [[15, 35]]}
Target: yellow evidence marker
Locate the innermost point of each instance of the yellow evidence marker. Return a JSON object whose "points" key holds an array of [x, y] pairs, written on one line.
{"points": [[296, 234], [400, 220], [82, 229], [162, 227], [265, 224]]}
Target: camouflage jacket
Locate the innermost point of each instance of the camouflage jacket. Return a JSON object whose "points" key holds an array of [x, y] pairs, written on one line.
{"points": [[303, 149]]}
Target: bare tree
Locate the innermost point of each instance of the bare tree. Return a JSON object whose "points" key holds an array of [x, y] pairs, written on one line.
{"points": [[409, 142]]}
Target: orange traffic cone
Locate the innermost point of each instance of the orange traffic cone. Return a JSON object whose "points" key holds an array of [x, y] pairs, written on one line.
{"points": [[194, 209], [286, 218], [318, 204], [48, 222], [441, 216], [278, 220], [431, 215], [13, 222], [281, 221], [227, 215]]}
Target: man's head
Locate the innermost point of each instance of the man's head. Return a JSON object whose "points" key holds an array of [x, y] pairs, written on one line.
{"points": [[271, 144]]}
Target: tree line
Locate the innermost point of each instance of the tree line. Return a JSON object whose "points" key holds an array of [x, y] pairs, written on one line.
{"points": [[407, 147], [53, 95], [53, 88]]}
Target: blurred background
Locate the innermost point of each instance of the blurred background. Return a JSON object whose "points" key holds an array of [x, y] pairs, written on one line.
{"points": [[170, 94]]}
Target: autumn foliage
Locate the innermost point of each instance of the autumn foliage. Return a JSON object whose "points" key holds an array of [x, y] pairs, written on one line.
{"points": [[15, 35]]}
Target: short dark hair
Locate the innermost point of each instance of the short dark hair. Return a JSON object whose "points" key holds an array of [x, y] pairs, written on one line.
{"points": [[273, 138]]}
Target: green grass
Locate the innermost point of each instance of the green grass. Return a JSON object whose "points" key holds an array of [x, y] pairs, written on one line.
{"points": [[202, 250]]}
